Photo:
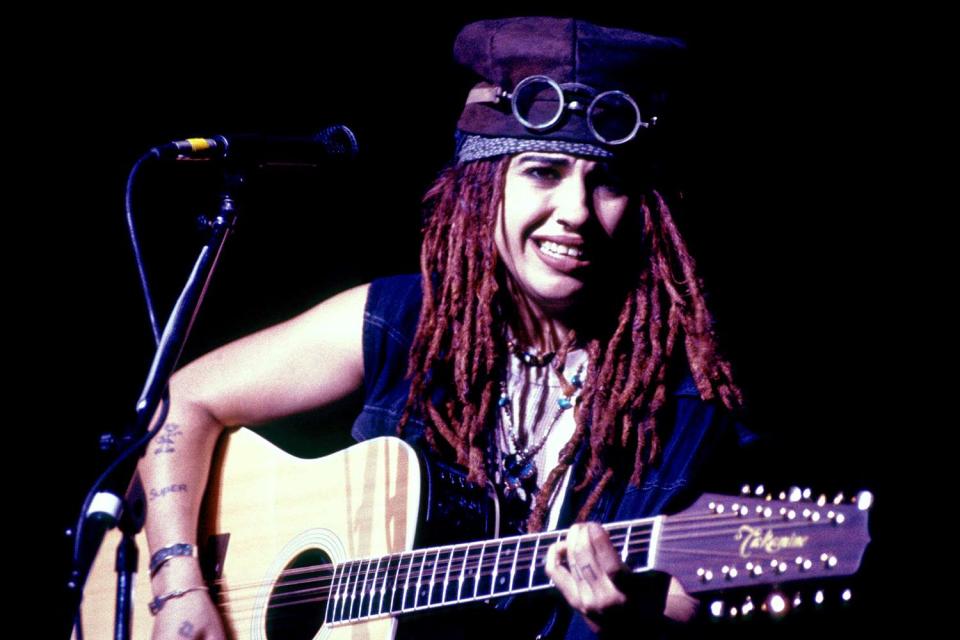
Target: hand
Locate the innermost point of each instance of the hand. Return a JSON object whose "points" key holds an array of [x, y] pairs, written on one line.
{"points": [[589, 573], [192, 616]]}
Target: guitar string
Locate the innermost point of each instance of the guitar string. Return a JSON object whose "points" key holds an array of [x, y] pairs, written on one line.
{"points": [[366, 592], [419, 559], [616, 537]]}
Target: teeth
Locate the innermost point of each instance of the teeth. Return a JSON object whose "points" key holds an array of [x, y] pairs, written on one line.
{"points": [[560, 249]]}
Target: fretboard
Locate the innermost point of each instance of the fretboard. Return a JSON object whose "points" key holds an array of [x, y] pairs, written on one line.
{"points": [[442, 576]]}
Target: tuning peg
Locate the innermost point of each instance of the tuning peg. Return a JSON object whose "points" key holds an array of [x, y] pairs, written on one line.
{"points": [[837, 499], [776, 604], [758, 490], [794, 494], [822, 500], [864, 500], [747, 608], [729, 572], [846, 595], [716, 608], [837, 518], [806, 493], [818, 596], [745, 490]]}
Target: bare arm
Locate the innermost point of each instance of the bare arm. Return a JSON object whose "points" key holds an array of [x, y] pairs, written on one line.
{"points": [[309, 361]]}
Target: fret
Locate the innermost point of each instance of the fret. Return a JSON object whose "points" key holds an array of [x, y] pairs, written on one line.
{"points": [[503, 571], [334, 598], [380, 597], [356, 592], [441, 573], [526, 553], [488, 567], [533, 561], [540, 577], [410, 590], [371, 589], [626, 543], [455, 574], [471, 565], [360, 603], [424, 581], [636, 551], [344, 611], [478, 571], [399, 587]]}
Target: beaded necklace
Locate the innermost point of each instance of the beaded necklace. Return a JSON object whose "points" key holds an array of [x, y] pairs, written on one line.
{"points": [[517, 469]]}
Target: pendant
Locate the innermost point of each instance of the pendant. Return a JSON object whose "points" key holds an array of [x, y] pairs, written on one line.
{"points": [[520, 475]]}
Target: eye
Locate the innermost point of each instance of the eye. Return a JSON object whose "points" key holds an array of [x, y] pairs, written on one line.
{"points": [[544, 172]]}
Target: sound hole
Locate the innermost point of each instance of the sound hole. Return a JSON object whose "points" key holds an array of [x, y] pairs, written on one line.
{"points": [[299, 599]]}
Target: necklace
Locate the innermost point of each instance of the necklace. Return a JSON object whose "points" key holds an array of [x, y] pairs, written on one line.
{"points": [[519, 471], [530, 358]]}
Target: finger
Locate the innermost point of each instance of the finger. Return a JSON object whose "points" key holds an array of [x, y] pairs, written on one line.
{"points": [[607, 558], [581, 556], [561, 575], [598, 564]]}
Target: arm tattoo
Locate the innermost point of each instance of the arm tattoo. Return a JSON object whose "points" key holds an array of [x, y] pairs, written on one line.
{"points": [[185, 630], [174, 488], [163, 442]]}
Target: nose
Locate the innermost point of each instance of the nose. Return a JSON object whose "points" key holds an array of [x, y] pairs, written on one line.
{"points": [[572, 201]]}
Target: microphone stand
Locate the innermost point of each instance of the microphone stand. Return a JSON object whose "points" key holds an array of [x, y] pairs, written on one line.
{"points": [[114, 499]]}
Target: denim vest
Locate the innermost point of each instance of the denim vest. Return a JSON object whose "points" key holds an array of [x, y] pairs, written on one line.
{"points": [[702, 434]]}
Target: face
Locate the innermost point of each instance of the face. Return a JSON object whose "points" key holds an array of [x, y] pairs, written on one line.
{"points": [[560, 217]]}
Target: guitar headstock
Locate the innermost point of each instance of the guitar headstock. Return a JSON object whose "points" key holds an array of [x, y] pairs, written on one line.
{"points": [[726, 542]]}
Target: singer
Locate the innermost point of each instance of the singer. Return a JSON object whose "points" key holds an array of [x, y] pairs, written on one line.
{"points": [[556, 343]]}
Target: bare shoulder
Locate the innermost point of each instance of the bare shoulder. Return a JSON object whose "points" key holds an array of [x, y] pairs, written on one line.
{"points": [[311, 360]]}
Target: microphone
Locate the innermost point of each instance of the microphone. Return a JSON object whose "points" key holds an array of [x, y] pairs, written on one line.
{"points": [[334, 142]]}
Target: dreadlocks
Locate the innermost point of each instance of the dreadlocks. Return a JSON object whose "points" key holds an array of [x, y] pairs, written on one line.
{"points": [[458, 353]]}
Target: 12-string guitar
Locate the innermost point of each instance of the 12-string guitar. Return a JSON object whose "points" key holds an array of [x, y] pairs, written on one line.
{"points": [[323, 548]]}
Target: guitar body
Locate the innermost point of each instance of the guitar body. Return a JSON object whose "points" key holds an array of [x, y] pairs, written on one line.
{"points": [[264, 509]]}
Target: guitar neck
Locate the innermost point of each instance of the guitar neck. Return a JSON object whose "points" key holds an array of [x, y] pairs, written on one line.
{"points": [[449, 575], [719, 542]]}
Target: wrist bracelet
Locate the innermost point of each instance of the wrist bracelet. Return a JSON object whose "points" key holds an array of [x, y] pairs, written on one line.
{"points": [[161, 557], [157, 603]]}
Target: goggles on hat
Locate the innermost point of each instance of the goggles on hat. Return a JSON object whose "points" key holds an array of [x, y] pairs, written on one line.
{"points": [[539, 102]]}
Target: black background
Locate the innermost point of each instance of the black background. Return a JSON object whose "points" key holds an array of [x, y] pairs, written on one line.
{"points": [[795, 182]]}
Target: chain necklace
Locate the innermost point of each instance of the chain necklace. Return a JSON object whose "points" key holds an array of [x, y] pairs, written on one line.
{"points": [[519, 471], [529, 358]]}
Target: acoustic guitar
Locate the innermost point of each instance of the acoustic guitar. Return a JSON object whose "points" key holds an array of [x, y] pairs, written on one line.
{"points": [[324, 548]]}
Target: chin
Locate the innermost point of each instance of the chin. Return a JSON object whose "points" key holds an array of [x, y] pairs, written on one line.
{"points": [[560, 296]]}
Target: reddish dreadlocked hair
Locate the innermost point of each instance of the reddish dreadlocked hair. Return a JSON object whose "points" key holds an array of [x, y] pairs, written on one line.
{"points": [[458, 348]]}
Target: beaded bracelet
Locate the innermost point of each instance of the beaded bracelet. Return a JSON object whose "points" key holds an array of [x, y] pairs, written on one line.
{"points": [[157, 603], [161, 557]]}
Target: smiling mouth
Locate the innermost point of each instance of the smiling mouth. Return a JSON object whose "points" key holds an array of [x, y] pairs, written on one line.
{"points": [[558, 250]]}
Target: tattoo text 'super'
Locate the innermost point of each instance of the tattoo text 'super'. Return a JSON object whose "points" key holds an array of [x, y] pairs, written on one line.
{"points": [[174, 488]]}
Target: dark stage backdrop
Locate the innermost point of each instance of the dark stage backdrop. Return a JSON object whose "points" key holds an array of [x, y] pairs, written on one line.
{"points": [[790, 160]]}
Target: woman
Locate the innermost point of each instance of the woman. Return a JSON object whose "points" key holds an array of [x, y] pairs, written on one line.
{"points": [[545, 346]]}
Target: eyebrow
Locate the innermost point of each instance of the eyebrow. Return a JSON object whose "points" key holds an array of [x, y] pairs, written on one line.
{"points": [[600, 166], [551, 160]]}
